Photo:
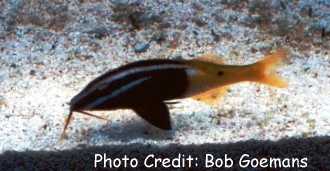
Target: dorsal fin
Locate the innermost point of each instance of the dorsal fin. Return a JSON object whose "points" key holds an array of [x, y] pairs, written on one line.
{"points": [[212, 96], [210, 58]]}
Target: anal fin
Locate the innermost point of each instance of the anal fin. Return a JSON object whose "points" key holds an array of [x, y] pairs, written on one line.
{"points": [[156, 114], [212, 96]]}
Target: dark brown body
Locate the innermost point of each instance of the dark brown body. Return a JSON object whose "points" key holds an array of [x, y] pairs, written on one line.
{"points": [[142, 86]]}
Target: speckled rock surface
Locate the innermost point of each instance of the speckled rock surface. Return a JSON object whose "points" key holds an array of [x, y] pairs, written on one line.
{"points": [[49, 50]]}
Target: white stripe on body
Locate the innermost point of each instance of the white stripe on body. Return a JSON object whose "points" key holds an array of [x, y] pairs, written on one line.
{"points": [[116, 92], [104, 83]]}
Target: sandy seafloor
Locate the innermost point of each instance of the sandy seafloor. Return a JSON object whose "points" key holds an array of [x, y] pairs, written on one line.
{"points": [[49, 50]]}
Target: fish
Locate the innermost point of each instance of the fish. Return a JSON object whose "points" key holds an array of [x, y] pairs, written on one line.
{"points": [[146, 86]]}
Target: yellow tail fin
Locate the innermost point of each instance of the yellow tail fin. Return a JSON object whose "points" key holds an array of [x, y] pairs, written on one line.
{"points": [[263, 71]]}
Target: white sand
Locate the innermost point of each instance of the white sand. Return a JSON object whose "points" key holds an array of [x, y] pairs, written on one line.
{"points": [[33, 105]]}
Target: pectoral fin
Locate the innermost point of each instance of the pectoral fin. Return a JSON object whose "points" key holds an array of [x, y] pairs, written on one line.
{"points": [[211, 97], [156, 114]]}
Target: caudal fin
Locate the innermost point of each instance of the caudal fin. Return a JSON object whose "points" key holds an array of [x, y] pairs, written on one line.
{"points": [[264, 70]]}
